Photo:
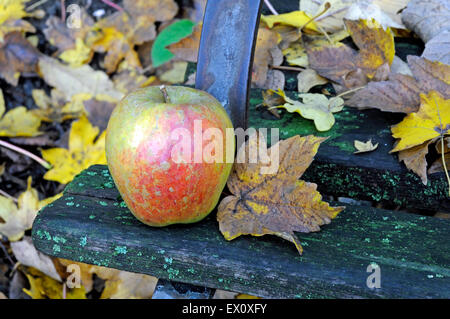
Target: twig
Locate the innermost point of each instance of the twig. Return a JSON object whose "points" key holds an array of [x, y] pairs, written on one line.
{"points": [[325, 9], [63, 11], [7, 254], [2, 192], [270, 7], [444, 164], [113, 5], [26, 153], [350, 91], [287, 68], [35, 5]]}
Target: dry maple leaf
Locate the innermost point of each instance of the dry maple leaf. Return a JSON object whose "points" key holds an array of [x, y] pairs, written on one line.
{"points": [[277, 203], [17, 55], [82, 153], [401, 93], [349, 68], [418, 130]]}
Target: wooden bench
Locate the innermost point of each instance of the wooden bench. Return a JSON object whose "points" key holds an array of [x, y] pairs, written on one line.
{"points": [[91, 223]]}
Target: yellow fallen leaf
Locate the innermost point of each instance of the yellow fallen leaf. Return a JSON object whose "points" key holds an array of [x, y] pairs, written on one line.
{"points": [[44, 287], [78, 56], [316, 107], [429, 123], [295, 19], [363, 147], [11, 14], [16, 219], [275, 203], [418, 129], [82, 153]]}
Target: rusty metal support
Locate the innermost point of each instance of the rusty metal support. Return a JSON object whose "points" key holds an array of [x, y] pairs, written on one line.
{"points": [[226, 54]]}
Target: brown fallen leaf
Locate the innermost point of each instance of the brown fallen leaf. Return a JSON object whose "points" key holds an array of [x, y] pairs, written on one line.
{"points": [[274, 203], [363, 147], [17, 55], [70, 41], [414, 159], [401, 93], [266, 41], [352, 69], [187, 48], [117, 34]]}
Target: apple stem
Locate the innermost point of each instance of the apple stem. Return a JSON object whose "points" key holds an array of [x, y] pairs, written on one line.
{"points": [[164, 93]]}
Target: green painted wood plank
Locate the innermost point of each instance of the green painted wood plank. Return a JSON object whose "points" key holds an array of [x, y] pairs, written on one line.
{"points": [[91, 224]]}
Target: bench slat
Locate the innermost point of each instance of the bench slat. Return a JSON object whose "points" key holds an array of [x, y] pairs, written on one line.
{"points": [[91, 224]]}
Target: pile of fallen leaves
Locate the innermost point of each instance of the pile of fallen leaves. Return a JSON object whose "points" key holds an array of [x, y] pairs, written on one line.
{"points": [[63, 69]]}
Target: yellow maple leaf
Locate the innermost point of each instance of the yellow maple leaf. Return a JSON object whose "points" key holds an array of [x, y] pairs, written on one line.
{"points": [[419, 129], [18, 121], [82, 153], [429, 123], [274, 203], [316, 107], [44, 287], [11, 14], [77, 56]]}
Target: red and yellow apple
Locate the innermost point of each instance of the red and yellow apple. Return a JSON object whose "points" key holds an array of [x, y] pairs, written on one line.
{"points": [[158, 171]]}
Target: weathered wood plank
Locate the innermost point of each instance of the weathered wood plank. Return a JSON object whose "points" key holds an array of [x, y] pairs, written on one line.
{"points": [[91, 224], [375, 176]]}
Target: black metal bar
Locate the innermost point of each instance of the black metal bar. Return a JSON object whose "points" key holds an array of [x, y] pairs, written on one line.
{"points": [[226, 54]]}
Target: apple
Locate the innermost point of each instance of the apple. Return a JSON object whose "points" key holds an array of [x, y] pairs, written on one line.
{"points": [[166, 149]]}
